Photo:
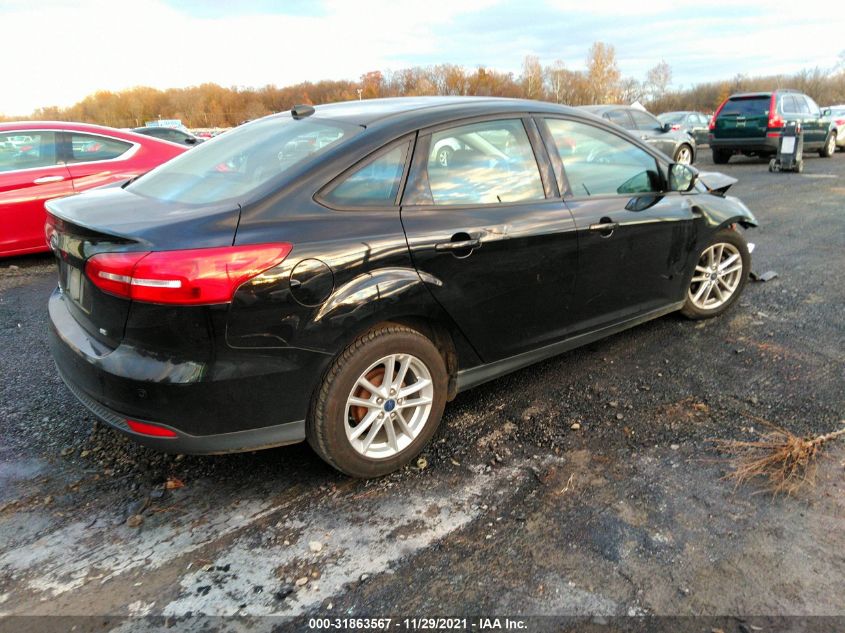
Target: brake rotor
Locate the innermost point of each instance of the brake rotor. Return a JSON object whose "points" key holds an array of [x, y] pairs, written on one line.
{"points": [[375, 376]]}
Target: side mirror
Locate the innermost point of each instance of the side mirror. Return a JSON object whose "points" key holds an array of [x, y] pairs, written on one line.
{"points": [[826, 112], [667, 127], [190, 141], [681, 177]]}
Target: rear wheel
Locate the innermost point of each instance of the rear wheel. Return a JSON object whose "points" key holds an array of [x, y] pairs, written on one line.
{"points": [[721, 157], [379, 403], [719, 276], [829, 146]]}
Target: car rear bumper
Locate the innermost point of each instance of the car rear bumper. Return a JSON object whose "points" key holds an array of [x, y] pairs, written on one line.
{"points": [[766, 145], [235, 403]]}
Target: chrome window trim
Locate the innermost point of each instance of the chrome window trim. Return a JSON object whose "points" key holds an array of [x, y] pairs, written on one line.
{"points": [[129, 153]]}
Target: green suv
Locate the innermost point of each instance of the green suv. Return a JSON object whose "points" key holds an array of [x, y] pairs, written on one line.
{"points": [[751, 123]]}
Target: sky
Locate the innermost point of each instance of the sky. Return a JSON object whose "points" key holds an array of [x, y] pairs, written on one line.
{"points": [[55, 52]]}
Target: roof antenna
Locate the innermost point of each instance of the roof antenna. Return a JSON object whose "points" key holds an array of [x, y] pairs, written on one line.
{"points": [[301, 111]]}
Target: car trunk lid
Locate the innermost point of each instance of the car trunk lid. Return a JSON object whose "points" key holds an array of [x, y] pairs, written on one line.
{"points": [[113, 221]]}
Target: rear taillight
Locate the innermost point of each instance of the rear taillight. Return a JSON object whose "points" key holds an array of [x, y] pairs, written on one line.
{"points": [[198, 276], [839, 122], [775, 120], [676, 126], [49, 231], [145, 428], [716, 114]]}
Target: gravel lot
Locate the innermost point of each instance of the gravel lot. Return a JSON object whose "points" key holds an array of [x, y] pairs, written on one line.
{"points": [[512, 511]]}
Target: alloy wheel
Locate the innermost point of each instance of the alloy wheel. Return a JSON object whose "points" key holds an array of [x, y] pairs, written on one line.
{"points": [[388, 406], [684, 156], [831, 144], [717, 276]]}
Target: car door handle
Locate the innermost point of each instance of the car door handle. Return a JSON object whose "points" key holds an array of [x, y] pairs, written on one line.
{"points": [[45, 179], [603, 227], [458, 246]]}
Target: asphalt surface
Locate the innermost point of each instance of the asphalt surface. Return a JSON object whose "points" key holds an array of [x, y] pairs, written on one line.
{"points": [[512, 511]]}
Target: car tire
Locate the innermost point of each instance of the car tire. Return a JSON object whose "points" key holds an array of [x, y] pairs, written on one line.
{"points": [[444, 156], [829, 147], [721, 157], [684, 155], [722, 285], [398, 428]]}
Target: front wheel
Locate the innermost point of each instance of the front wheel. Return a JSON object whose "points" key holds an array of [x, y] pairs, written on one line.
{"points": [[719, 276], [379, 403]]}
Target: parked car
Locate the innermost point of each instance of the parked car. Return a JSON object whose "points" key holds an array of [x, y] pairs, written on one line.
{"points": [[751, 124], [836, 114], [696, 124], [232, 300], [172, 134], [60, 159], [678, 144]]}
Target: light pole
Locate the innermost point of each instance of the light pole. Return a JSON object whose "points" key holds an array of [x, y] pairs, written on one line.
{"points": [[360, 91]]}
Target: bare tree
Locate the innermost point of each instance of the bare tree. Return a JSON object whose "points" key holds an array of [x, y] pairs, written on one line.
{"points": [[555, 77], [657, 80], [602, 73], [532, 77]]}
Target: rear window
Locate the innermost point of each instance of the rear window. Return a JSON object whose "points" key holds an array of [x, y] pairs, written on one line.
{"points": [[746, 106], [237, 164]]}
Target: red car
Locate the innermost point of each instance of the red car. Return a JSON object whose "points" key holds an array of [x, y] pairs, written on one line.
{"points": [[41, 160]]}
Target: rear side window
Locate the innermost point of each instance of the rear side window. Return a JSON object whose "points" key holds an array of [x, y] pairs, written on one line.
{"points": [[746, 106], [644, 121], [598, 162], [87, 147], [27, 150], [490, 163], [375, 184]]}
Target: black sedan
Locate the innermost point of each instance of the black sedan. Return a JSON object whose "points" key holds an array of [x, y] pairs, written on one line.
{"points": [[677, 143], [262, 289], [172, 134], [697, 124]]}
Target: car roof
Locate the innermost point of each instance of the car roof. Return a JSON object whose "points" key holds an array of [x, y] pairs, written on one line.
{"points": [[405, 110], [91, 128], [763, 93], [610, 106]]}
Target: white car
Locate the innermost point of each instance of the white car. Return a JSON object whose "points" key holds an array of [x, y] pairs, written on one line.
{"points": [[836, 114]]}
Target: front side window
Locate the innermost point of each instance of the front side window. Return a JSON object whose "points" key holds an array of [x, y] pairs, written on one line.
{"points": [[598, 162], [88, 147], [242, 162], [375, 184], [27, 150], [490, 163]]}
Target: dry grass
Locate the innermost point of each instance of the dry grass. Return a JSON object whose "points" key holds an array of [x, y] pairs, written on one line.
{"points": [[786, 460]]}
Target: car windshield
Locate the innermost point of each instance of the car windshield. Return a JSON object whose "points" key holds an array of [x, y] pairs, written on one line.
{"points": [[746, 106], [672, 117], [237, 164], [837, 112]]}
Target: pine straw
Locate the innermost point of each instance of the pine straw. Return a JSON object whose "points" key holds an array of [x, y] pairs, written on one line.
{"points": [[787, 461]]}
